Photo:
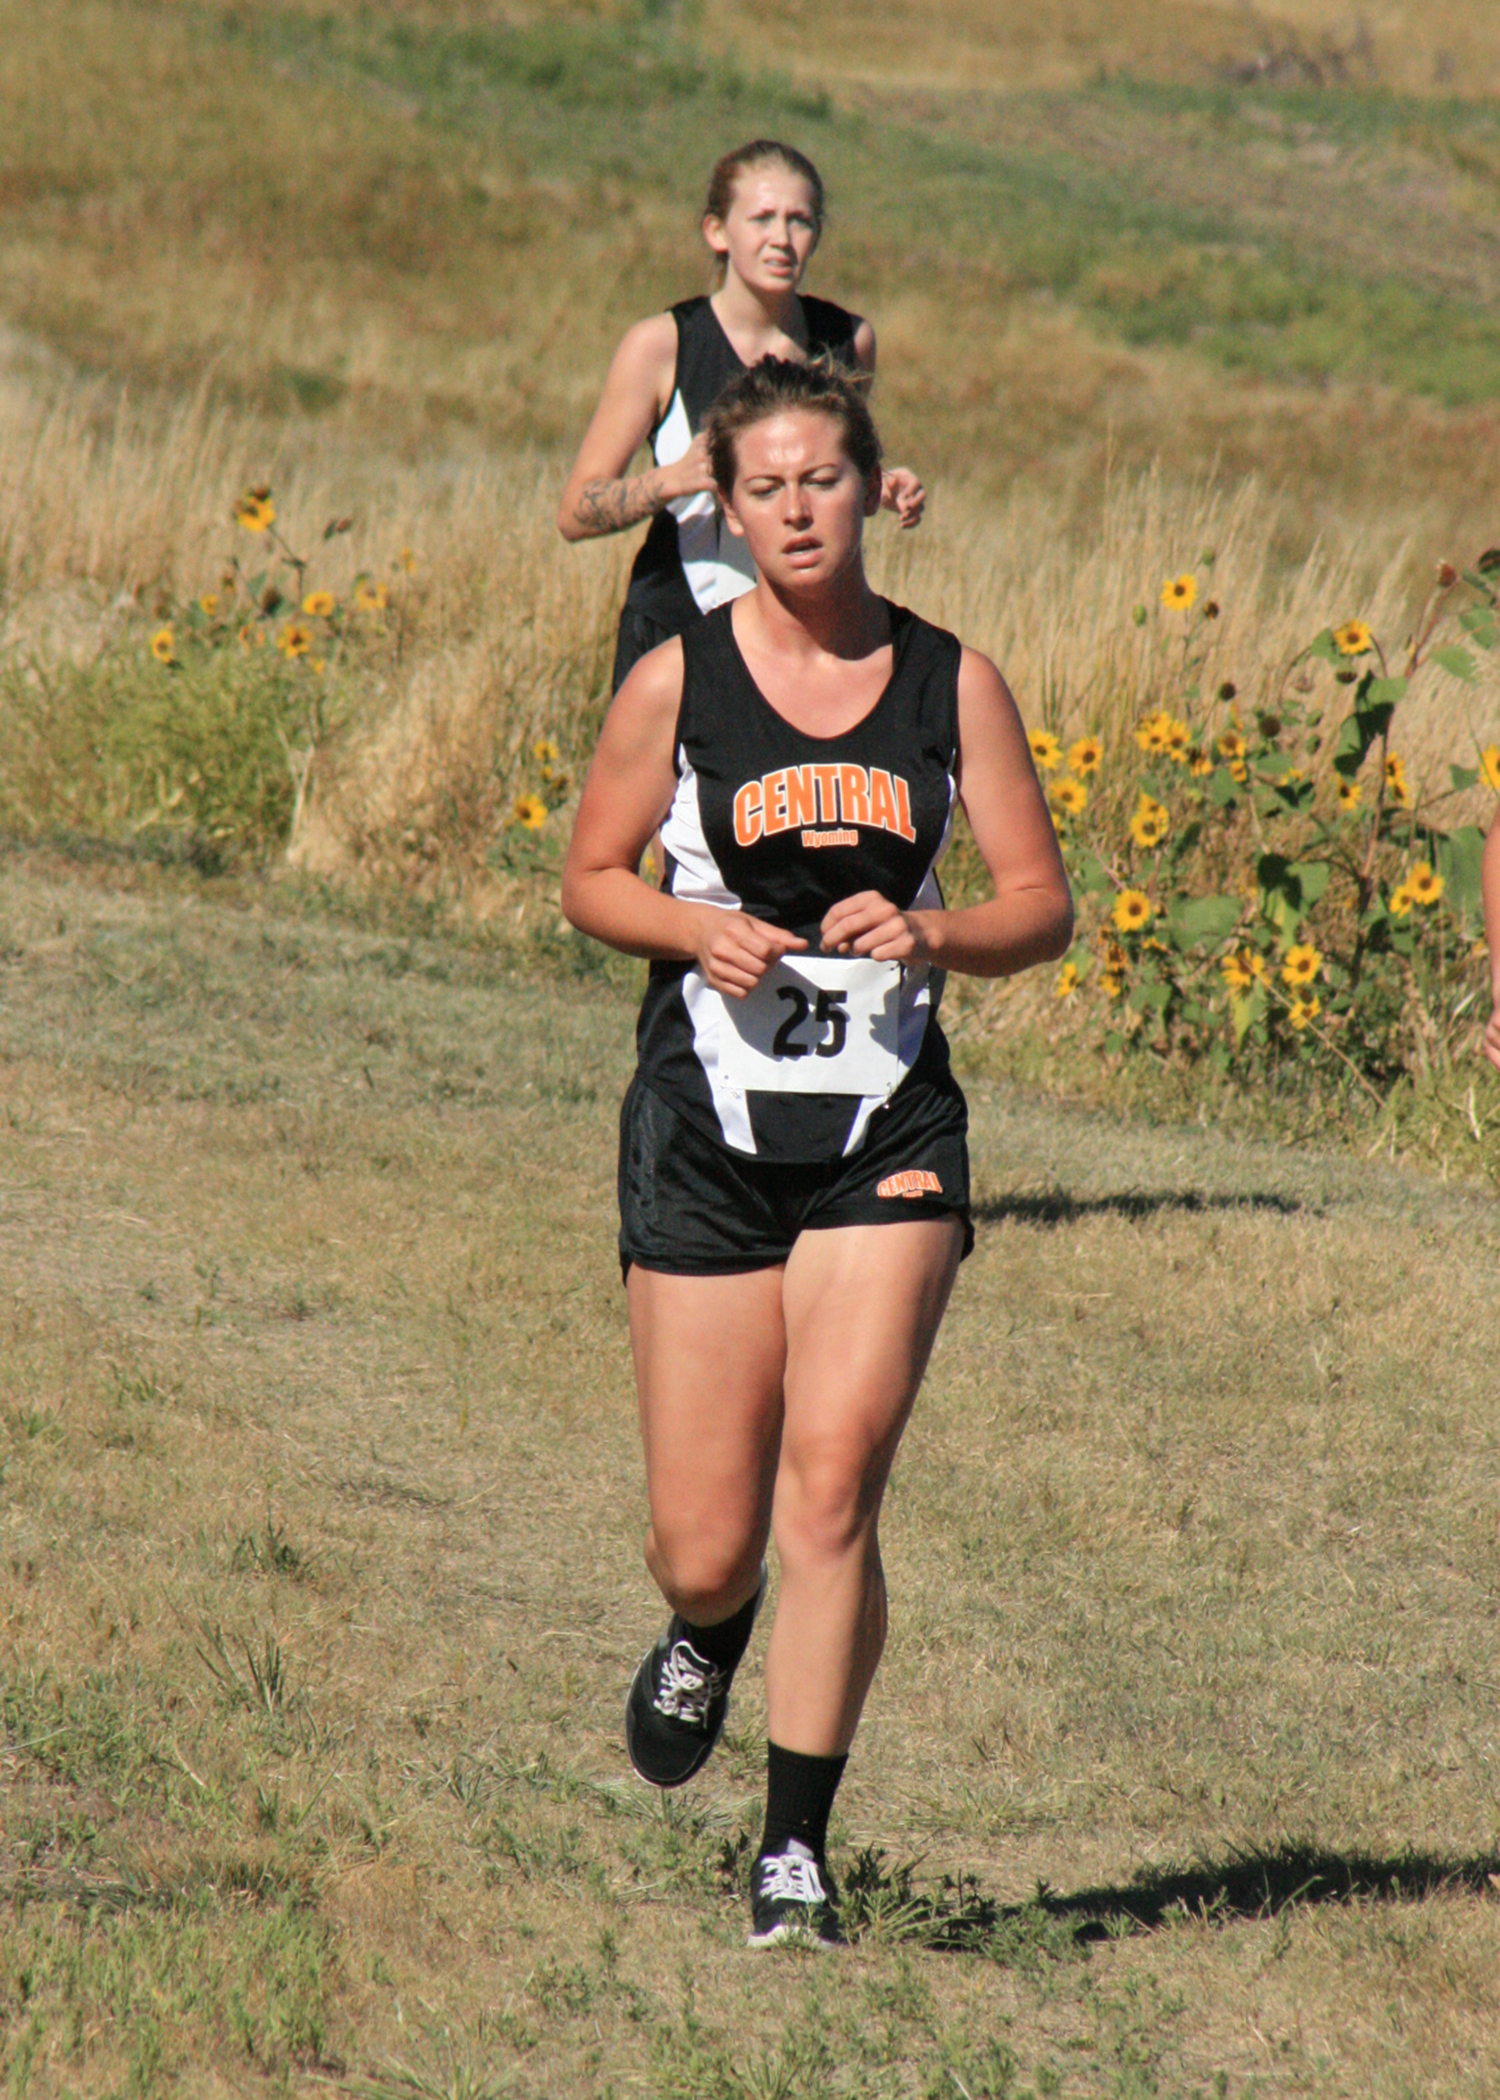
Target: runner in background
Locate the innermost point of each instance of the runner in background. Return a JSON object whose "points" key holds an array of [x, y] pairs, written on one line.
{"points": [[794, 1183], [762, 219]]}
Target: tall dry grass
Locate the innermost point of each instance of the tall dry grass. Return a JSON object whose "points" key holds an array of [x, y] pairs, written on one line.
{"points": [[114, 515]]}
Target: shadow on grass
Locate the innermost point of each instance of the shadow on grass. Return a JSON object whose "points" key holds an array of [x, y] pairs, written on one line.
{"points": [[1057, 1207], [959, 1918]]}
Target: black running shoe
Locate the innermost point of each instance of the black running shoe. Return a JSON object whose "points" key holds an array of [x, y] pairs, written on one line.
{"points": [[675, 1712], [793, 1901]]}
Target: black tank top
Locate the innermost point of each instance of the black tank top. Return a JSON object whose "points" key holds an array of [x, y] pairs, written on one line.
{"points": [[782, 825], [689, 562]]}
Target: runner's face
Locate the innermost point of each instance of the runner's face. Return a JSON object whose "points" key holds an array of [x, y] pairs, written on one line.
{"points": [[770, 232], [798, 500]]}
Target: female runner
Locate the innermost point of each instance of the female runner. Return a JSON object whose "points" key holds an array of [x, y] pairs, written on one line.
{"points": [[762, 219], [793, 1173]]}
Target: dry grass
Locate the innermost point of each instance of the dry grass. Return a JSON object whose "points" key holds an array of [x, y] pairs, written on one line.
{"points": [[321, 1585], [1411, 46], [504, 635]]}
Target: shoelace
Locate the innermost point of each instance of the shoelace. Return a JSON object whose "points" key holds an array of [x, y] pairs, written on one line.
{"points": [[785, 1878], [686, 1685]]}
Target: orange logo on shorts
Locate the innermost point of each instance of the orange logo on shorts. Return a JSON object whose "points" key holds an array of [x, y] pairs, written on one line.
{"points": [[914, 1181]]}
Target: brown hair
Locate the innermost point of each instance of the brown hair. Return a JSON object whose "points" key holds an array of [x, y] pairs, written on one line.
{"points": [[756, 154], [777, 384]]}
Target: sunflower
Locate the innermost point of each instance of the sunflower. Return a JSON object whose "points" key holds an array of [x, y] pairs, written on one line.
{"points": [[1133, 909], [1045, 749], [294, 639], [1395, 780], [1301, 964], [1087, 755], [164, 646], [1425, 886], [1111, 984], [1489, 766], [1350, 793], [529, 810], [371, 597], [1067, 981], [256, 512], [320, 605], [1232, 745], [1402, 901], [1301, 1011], [251, 635], [1235, 974], [1179, 592], [208, 603], [1151, 734], [1149, 825], [1177, 741], [1239, 771], [1200, 765], [1353, 638], [1070, 796], [545, 751]]}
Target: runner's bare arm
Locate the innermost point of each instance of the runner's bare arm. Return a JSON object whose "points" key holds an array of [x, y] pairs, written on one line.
{"points": [[1030, 917], [600, 497], [900, 490], [625, 799]]}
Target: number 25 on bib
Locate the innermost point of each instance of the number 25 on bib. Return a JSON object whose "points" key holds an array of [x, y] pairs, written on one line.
{"points": [[816, 1025]]}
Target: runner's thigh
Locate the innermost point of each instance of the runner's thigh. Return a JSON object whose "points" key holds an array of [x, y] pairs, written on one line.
{"points": [[709, 1356], [862, 1306]]}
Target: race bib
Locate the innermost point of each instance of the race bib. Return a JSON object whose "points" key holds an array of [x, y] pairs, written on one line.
{"points": [[826, 1024]]}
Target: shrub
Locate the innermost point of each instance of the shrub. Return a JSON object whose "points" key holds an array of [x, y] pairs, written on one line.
{"points": [[1266, 884]]}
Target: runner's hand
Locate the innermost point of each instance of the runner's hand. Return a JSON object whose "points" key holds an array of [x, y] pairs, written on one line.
{"points": [[735, 951], [901, 492], [870, 924], [691, 475]]}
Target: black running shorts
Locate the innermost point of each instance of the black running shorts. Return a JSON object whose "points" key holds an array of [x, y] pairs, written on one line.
{"points": [[692, 1207]]}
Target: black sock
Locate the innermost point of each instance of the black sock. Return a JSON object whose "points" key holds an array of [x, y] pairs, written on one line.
{"points": [[722, 1644], [799, 1797]]}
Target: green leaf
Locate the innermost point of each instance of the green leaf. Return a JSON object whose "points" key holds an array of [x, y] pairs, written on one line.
{"points": [[1093, 876], [1312, 878], [1149, 997], [1456, 662], [1245, 1009], [1480, 624], [1222, 787], [1114, 1042], [1349, 752], [1459, 859], [1274, 764], [1326, 647], [1192, 920], [1463, 777]]}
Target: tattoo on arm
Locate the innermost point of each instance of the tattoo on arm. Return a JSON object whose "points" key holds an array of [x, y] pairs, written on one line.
{"points": [[612, 506]]}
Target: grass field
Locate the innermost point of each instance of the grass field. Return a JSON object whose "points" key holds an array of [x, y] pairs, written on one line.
{"points": [[321, 1580]]}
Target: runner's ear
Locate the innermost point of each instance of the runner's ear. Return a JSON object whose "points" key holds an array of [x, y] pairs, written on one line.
{"points": [[874, 485]]}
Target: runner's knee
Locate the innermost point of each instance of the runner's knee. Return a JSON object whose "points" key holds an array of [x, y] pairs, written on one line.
{"points": [[704, 1578], [827, 1498]]}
